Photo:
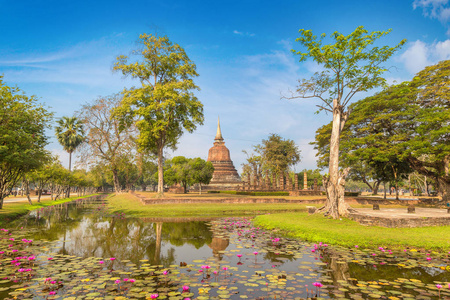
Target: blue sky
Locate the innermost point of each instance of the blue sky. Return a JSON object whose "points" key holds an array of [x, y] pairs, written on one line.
{"points": [[63, 51]]}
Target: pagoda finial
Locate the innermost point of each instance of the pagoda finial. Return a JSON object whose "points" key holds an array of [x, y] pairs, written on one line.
{"points": [[219, 133]]}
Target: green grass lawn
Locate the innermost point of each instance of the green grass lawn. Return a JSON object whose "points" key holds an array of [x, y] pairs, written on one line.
{"points": [[131, 206], [14, 210], [345, 232]]}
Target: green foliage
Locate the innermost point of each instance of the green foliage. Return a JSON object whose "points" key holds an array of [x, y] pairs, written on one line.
{"points": [[22, 140], [164, 104], [405, 126], [188, 171], [277, 154], [352, 64], [311, 175]]}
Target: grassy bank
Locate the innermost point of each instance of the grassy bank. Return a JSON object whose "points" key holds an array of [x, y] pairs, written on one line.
{"points": [[14, 210], [316, 228], [131, 206]]}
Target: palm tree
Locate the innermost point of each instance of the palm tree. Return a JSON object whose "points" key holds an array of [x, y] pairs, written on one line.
{"points": [[70, 135]]}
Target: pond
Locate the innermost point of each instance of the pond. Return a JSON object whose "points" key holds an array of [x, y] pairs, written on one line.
{"points": [[79, 251]]}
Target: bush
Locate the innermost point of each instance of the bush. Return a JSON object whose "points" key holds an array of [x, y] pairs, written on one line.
{"points": [[351, 194]]}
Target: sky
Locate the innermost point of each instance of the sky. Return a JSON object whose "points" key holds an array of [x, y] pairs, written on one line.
{"points": [[63, 52]]}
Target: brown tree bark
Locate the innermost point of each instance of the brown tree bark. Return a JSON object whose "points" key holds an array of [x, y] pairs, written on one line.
{"points": [[160, 172], [117, 187]]}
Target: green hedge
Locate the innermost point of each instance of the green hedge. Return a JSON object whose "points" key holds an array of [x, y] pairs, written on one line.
{"points": [[351, 194], [251, 193]]}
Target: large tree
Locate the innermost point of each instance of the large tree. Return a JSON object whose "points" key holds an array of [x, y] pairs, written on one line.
{"points": [[351, 64], [408, 123], [22, 140], [164, 104], [106, 141]]}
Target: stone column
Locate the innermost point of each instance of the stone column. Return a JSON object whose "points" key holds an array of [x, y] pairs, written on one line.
{"points": [[274, 181], [296, 181], [315, 184], [288, 182], [305, 181], [282, 182]]}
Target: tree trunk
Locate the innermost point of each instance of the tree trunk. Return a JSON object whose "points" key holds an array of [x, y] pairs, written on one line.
{"points": [[27, 187], [160, 172], [39, 195], [384, 187], [444, 189], [70, 170], [376, 185], [200, 188], [117, 188], [335, 205], [2, 196]]}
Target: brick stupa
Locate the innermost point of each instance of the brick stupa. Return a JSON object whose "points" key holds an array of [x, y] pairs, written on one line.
{"points": [[225, 176]]}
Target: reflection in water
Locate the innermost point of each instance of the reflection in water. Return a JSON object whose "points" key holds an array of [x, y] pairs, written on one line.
{"points": [[84, 230], [265, 260]]}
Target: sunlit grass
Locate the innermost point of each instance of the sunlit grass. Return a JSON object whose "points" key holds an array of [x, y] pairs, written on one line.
{"points": [[345, 232], [131, 206]]}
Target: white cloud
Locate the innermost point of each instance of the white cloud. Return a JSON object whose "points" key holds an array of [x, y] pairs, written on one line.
{"points": [[435, 9], [418, 55], [442, 50], [243, 33], [415, 57]]}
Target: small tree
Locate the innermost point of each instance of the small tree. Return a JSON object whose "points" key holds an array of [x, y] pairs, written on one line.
{"points": [[22, 136], [277, 154], [164, 104], [352, 64], [201, 171]]}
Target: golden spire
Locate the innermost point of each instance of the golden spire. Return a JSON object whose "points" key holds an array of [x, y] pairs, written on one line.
{"points": [[219, 133]]}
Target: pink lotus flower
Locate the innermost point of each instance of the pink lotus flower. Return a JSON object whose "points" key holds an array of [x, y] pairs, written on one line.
{"points": [[154, 296], [256, 252], [225, 268], [428, 258], [117, 281], [50, 258], [239, 255], [52, 293], [112, 258], [439, 286], [185, 288], [101, 262], [317, 284]]}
